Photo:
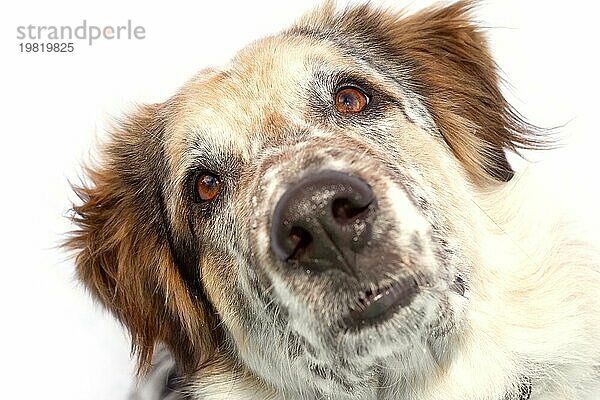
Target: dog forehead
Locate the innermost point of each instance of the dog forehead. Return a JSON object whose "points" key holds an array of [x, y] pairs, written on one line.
{"points": [[253, 98]]}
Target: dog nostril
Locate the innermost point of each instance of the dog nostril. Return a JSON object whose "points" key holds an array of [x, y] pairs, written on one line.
{"points": [[301, 239], [322, 220], [344, 211]]}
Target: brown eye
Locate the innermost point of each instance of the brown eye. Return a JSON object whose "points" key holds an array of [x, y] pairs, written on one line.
{"points": [[350, 100], [208, 186]]}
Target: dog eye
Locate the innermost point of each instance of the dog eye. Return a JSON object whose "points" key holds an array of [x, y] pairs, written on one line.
{"points": [[350, 100], [208, 186]]}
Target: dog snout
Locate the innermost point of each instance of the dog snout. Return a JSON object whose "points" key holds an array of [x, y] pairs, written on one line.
{"points": [[322, 220]]}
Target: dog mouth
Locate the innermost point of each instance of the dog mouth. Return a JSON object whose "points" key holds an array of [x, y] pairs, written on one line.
{"points": [[374, 306]]}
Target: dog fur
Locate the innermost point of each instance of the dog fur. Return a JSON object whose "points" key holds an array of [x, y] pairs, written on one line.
{"points": [[508, 304]]}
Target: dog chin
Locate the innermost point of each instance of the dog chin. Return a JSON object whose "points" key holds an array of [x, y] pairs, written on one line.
{"points": [[389, 321]]}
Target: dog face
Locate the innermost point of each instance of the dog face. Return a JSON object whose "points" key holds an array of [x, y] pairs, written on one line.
{"points": [[307, 210]]}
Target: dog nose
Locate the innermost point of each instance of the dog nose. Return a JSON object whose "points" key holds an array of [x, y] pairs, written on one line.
{"points": [[322, 221]]}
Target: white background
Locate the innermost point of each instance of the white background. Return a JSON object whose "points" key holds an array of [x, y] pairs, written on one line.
{"points": [[57, 343]]}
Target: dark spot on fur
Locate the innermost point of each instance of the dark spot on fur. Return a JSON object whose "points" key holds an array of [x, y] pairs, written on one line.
{"points": [[319, 371], [458, 285], [416, 244], [293, 347], [327, 373], [304, 344]]}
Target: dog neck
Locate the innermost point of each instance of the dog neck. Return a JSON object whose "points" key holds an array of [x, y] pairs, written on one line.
{"points": [[164, 383]]}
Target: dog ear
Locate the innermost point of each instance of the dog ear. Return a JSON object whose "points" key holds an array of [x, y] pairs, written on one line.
{"points": [[442, 56], [123, 250]]}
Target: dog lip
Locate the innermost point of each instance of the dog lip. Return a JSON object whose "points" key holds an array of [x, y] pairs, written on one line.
{"points": [[374, 307]]}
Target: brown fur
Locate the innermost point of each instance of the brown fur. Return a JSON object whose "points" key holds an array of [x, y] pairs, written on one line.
{"points": [[124, 256]]}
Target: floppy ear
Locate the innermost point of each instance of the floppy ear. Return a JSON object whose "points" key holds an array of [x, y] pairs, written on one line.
{"points": [[442, 56], [123, 251]]}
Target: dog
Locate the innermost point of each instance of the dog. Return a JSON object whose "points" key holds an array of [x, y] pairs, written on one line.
{"points": [[333, 216]]}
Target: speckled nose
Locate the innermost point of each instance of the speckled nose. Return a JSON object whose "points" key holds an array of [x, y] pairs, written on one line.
{"points": [[322, 221]]}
